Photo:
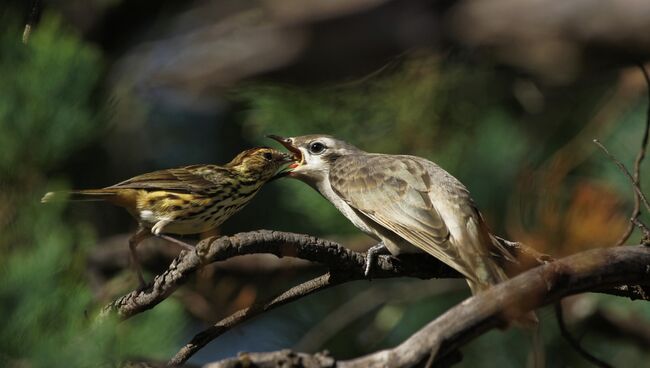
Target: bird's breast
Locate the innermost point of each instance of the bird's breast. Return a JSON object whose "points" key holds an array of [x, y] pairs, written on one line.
{"points": [[191, 213], [325, 189]]}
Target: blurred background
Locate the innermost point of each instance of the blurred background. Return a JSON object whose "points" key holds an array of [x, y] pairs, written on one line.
{"points": [[507, 95]]}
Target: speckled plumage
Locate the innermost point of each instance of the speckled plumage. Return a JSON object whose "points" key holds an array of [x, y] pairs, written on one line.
{"points": [[188, 200]]}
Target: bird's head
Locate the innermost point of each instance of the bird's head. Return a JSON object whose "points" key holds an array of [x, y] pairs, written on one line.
{"points": [[260, 163], [314, 154]]}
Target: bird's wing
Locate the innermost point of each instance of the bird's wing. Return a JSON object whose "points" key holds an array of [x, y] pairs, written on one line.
{"points": [[396, 192], [191, 179]]}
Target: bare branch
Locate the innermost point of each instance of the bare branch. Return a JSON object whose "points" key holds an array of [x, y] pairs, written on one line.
{"points": [[282, 358], [575, 344], [625, 172], [205, 336], [597, 269], [342, 262], [636, 212], [345, 265]]}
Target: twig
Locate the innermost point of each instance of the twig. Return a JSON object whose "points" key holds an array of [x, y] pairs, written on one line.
{"points": [[644, 229], [626, 172], [204, 337], [634, 220], [575, 344], [636, 212], [596, 269], [32, 19]]}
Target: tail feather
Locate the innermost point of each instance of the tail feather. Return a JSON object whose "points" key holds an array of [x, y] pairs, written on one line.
{"points": [[79, 195], [491, 273], [528, 321]]}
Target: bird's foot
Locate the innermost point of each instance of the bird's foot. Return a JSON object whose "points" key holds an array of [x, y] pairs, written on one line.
{"points": [[371, 257]]}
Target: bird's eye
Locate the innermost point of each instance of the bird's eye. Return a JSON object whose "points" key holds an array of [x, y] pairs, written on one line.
{"points": [[267, 156], [316, 148]]}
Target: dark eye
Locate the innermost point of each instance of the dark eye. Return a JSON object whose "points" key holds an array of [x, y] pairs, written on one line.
{"points": [[316, 148], [268, 156]]}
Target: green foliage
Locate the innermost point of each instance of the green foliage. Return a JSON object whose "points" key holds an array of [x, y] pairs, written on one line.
{"points": [[47, 110], [48, 310], [46, 93]]}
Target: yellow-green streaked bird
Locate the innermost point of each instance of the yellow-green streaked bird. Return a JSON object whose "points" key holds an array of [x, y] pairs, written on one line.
{"points": [[186, 200], [407, 203]]}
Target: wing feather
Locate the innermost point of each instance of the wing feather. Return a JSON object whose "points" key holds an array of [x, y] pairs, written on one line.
{"points": [[190, 179], [396, 193]]}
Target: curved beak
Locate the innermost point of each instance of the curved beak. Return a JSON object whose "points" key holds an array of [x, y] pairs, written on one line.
{"points": [[288, 144]]}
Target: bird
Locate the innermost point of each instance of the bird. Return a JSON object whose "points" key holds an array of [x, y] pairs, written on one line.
{"points": [[407, 203], [186, 200]]}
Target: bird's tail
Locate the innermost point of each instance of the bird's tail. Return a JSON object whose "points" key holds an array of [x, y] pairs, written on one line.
{"points": [[79, 195], [494, 275], [490, 272], [487, 271]]}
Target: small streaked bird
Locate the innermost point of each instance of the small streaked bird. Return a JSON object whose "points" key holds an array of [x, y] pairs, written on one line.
{"points": [[186, 200], [407, 203]]}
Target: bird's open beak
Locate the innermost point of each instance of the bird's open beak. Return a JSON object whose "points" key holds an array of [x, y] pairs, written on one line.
{"points": [[288, 144]]}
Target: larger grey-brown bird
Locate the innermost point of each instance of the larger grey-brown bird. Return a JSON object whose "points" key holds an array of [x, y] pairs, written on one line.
{"points": [[409, 204]]}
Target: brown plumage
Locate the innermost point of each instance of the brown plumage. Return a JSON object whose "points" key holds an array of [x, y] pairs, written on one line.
{"points": [[186, 200]]}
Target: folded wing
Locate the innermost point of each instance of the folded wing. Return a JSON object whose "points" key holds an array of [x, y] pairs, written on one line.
{"points": [[396, 192], [190, 179]]}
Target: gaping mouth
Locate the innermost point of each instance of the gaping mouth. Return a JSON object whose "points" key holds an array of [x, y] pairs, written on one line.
{"points": [[288, 144]]}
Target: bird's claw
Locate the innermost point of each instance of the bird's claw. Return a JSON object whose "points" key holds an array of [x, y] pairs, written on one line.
{"points": [[367, 269], [371, 258]]}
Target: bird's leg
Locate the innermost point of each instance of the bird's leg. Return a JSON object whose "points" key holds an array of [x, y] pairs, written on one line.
{"points": [[181, 243], [371, 256], [157, 231], [138, 237]]}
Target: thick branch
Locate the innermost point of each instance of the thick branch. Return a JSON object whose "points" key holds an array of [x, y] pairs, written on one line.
{"points": [[598, 269]]}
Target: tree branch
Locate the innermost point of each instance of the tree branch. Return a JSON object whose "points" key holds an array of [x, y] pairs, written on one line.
{"points": [[345, 264], [598, 269], [205, 336]]}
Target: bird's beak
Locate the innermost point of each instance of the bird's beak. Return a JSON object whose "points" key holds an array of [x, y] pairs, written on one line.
{"points": [[288, 144], [286, 158]]}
